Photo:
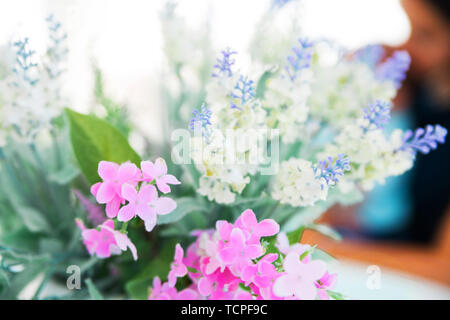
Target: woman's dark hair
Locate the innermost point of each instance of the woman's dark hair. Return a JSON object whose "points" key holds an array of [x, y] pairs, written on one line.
{"points": [[443, 6]]}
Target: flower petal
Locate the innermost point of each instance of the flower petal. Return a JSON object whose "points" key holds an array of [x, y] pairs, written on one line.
{"points": [[164, 205], [160, 167], [267, 228], [127, 172], [126, 213], [129, 192], [105, 192], [107, 170], [292, 263]]}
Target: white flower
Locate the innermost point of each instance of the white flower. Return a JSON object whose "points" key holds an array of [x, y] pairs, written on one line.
{"points": [[296, 184]]}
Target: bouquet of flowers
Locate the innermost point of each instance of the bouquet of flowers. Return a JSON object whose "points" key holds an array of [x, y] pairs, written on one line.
{"points": [[216, 210]]}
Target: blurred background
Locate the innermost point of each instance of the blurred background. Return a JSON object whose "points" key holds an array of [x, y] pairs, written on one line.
{"points": [[402, 227]]}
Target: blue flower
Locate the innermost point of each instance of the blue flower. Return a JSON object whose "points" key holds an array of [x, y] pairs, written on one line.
{"points": [[378, 114], [244, 90], [201, 120], [370, 54], [332, 168], [301, 59], [423, 140], [57, 51], [24, 65], [395, 68], [224, 64], [280, 3]]}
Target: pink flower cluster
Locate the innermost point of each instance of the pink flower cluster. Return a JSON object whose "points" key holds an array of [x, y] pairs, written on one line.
{"points": [[127, 192], [232, 262], [104, 241], [127, 183]]}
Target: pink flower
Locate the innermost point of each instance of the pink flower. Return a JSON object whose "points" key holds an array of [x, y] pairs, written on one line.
{"points": [[177, 268], [105, 241], [114, 176], [145, 204], [327, 282], [165, 292], [247, 221], [261, 274], [299, 279], [284, 247], [237, 252], [158, 172]]}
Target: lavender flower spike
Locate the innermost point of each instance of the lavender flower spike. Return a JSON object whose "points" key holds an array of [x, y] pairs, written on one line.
{"points": [[378, 114], [24, 65], [330, 169], [301, 60], [201, 121], [244, 90], [224, 64], [395, 68], [423, 140], [370, 54]]}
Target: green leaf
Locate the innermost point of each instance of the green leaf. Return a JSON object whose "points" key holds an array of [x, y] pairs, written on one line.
{"points": [[325, 230], [65, 175], [33, 219], [184, 206], [93, 291], [295, 236], [336, 295], [94, 140]]}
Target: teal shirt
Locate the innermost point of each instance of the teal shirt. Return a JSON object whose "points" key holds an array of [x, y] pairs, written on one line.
{"points": [[387, 207]]}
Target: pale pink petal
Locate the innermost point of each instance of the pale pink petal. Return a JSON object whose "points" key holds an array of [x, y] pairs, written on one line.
{"points": [[323, 295], [270, 257], [162, 186], [181, 270], [160, 166], [105, 192], [283, 286], [107, 170], [112, 207], [267, 228], [266, 268], [124, 242], [205, 287], [126, 213], [129, 192], [164, 205], [248, 273], [305, 290], [253, 251], [212, 266], [179, 253], [292, 263], [147, 193], [144, 211], [237, 237], [148, 169], [224, 228], [168, 178], [150, 222], [108, 224], [248, 218], [187, 294], [315, 269], [94, 188], [127, 172]]}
